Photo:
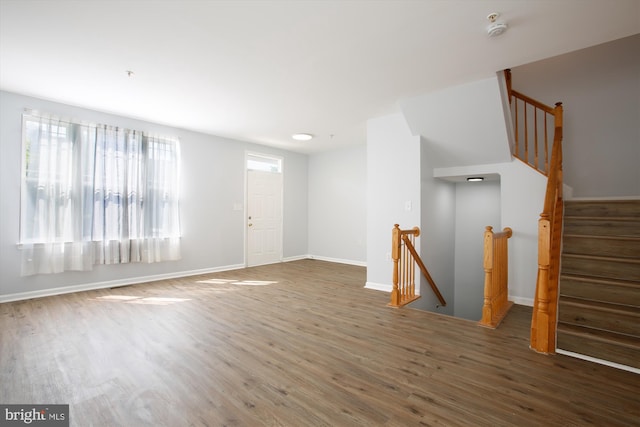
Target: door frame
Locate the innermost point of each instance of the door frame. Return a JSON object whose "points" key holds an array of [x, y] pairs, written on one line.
{"points": [[247, 154]]}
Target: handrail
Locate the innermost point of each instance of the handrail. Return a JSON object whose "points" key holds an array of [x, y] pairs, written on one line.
{"points": [[532, 101], [405, 256], [496, 268]]}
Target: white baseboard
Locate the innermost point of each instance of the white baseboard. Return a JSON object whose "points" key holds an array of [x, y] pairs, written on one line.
{"points": [[338, 260], [324, 258], [295, 258], [379, 286], [112, 283], [521, 301]]}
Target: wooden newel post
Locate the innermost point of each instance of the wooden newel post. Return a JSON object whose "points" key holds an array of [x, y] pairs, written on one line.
{"points": [[507, 79], [487, 312], [558, 112], [557, 120], [395, 256], [540, 328]]}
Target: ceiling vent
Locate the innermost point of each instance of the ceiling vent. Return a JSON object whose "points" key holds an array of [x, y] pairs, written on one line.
{"points": [[496, 27]]}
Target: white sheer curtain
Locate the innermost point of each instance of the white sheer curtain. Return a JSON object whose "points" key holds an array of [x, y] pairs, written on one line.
{"points": [[96, 194]]}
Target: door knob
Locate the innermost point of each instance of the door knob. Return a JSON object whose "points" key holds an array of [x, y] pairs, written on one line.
{"points": [[250, 224]]}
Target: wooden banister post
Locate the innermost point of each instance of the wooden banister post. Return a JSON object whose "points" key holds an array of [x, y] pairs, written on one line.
{"points": [[557, 119], [488, 279], [541, 322], [395, 256], [507, 79], [558, 113]]}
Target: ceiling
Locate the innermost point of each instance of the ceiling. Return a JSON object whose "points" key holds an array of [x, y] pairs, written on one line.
{"points": [[262, 70]]}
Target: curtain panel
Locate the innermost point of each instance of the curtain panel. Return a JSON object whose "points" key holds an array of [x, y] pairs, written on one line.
{"points": [[96, 194]]}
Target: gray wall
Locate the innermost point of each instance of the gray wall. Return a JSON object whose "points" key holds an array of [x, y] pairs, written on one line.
{"points": [[437, 223], [600, 91], [337, 205], [477, 205], [212, 183]]}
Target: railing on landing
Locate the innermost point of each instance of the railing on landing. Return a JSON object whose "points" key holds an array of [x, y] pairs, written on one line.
{"points": [[545, 304], [496, 277], [405, 257], [534, 122]]}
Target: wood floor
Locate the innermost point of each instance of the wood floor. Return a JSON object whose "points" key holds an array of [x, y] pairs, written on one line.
{"points": [[294, 344]]}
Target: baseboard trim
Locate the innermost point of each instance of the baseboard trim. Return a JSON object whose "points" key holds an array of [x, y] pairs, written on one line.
{"points": [[338, 260], [296, 258], [521, 300], [599, 361], [112, 283], [378, 286]]}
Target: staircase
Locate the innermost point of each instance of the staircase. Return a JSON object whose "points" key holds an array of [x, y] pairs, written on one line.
{"points": [[599, 303]]}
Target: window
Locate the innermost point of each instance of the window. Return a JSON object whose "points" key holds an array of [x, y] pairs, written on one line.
{"points": [[264, 163], [96, 194]]}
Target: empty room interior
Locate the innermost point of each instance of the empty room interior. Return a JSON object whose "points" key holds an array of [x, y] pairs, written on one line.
{"points": [[320, 213]]}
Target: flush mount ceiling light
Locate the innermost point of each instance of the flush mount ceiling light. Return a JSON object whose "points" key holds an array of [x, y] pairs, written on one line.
{"points": [[495, 27], [302, 136], [475, 179]]}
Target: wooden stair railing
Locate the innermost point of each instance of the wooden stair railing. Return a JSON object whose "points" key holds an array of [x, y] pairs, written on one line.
{"points": [[533, 122], [405, 257], [545, 304], [496, 277]]}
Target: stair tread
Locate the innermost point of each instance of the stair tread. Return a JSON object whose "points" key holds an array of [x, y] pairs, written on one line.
{"points": [[601, 280], [602, 218], [601, 335], [603, 258], [604, 237], [625, 309]]}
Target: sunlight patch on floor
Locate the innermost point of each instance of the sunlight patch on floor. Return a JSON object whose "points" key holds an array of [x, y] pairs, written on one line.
{"points": [[238, 282]]}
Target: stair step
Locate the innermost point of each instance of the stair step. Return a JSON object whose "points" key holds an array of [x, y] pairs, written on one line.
{"points": [[596, 289], [617, 348], [604, 267], [603, 208], [625, 226], [609, 246], [617, 318]]}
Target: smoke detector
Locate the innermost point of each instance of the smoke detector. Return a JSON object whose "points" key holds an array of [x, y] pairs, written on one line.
{"points": [[495, 27]]}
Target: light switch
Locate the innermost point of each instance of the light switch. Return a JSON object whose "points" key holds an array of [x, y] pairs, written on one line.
{"points": [[407, 205]]}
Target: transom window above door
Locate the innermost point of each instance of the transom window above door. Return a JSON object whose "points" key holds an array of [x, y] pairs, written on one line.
{"points": [[264, 163]]}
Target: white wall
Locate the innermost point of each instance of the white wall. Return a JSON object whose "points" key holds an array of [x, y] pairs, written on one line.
{"points": [[212, 183], [393, 179], [337, 205], [478, 204], [462, 125], [600, 91]]}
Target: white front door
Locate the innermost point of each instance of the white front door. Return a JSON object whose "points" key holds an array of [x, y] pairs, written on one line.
{"points": [[264, 220]]}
